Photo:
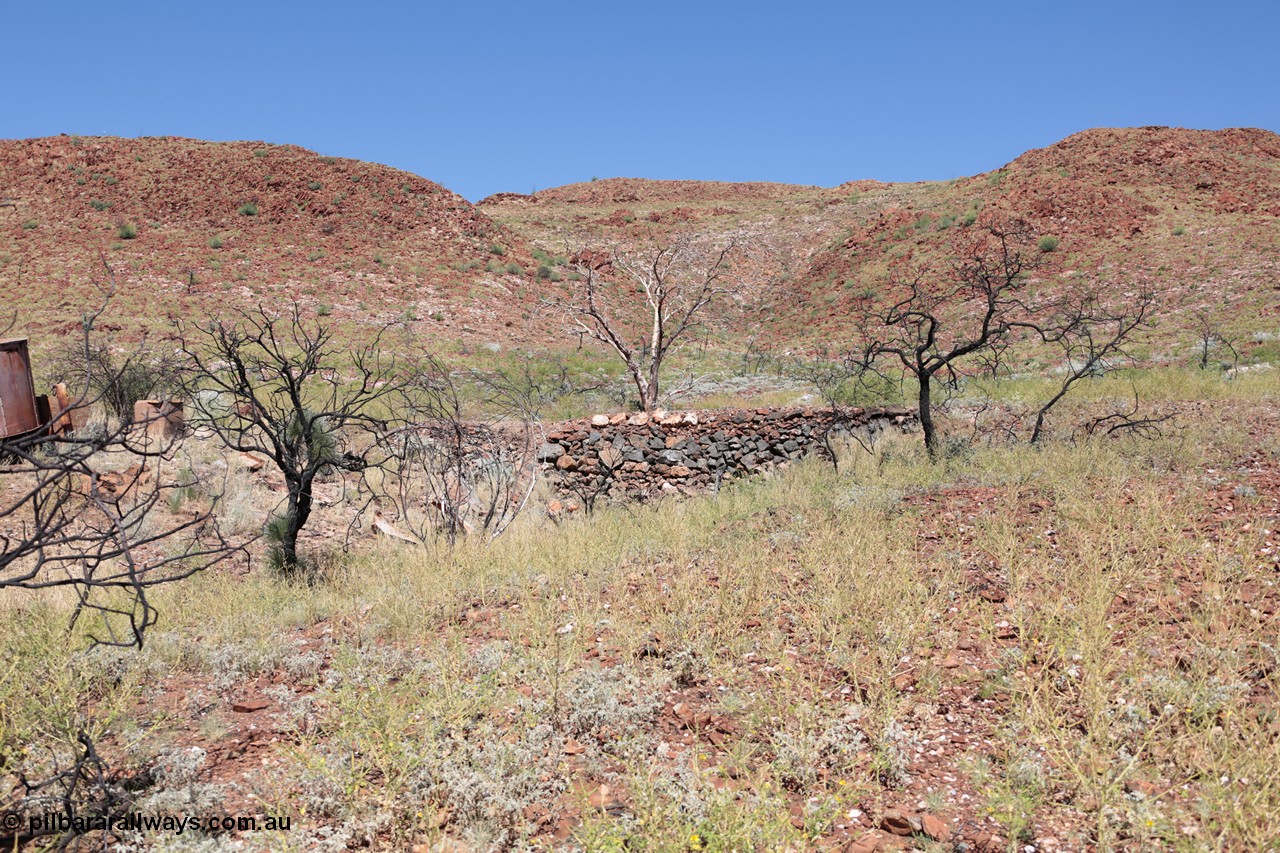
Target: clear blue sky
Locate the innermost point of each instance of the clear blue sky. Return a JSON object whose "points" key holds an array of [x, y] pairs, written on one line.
{"points": [[508, 96]]}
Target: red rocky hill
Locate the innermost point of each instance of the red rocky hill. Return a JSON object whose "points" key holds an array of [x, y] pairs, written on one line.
{"points": [[193, 227]]}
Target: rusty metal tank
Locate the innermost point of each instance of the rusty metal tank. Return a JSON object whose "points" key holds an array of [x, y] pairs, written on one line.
{"points": [[18, 413]]}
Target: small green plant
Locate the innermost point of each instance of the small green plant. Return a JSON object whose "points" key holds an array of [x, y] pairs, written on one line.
{"points": [[329, 160], [247, 209], [1179, 231], [1048, 244], [314, 185], [437, 316], [324, 309], [260, 152], [316, 255], [496, 249], [111, 180], [544, 272], [215, 242], [514, 269], [126, 231], [29, 225], [969, 218], [100, 205]]}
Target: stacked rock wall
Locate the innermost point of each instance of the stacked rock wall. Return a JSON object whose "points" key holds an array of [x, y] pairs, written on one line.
{"points": [[633, 457]]}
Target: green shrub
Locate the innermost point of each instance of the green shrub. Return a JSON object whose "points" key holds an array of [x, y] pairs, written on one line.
{"points": [[544, 272], [514, 269], [314, 185], [1179, 231], [969, 218], [260, 152], [247, 209], [496, 249], [215, 242], [29, 225], [111, 180], [100, 205], [324, 309], [127, 231], [1048, 244]]}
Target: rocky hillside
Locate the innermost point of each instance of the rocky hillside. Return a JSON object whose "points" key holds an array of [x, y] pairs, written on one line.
{"points": [[190, 227], [1193, 214]]}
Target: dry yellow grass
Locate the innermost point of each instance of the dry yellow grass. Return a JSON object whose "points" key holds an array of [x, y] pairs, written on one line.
{"points": [[1118, 693]]}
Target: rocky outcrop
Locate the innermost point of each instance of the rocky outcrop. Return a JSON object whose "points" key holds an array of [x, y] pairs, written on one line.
{"points": [[641, 456]]}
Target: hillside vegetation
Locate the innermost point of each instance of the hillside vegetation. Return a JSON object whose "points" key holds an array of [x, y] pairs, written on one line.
{"points": [[865, 645]]}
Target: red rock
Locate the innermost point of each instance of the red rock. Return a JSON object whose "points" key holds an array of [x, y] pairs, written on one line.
{"points": [[900, 822], [249, 706], [935, 827], [1142, 787]]}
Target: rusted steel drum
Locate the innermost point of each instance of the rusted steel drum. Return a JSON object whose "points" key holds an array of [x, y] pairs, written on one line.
{"points": [[18, 412]]}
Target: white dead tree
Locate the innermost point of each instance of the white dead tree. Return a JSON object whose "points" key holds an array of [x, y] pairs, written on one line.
{"points": [[661, 292]]}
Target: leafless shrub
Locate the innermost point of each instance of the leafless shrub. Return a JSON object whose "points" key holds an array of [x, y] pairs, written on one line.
{"points": [[445, 474], [665, 289], [80, 512], [1211, 341], [945, 325], [117, 380], [272, 384]]}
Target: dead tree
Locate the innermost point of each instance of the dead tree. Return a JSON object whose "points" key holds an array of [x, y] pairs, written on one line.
{"points": [[82, 510], [941, 325], [1210, 339], [664, 290], [444, 473], [274, 384], [1093, 340]]}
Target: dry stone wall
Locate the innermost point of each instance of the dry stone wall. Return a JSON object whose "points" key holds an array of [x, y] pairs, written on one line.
{"points": [[640, 456]]}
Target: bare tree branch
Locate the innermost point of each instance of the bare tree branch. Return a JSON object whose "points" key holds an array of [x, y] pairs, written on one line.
{"points": [[79, 512], [665, 289]]}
